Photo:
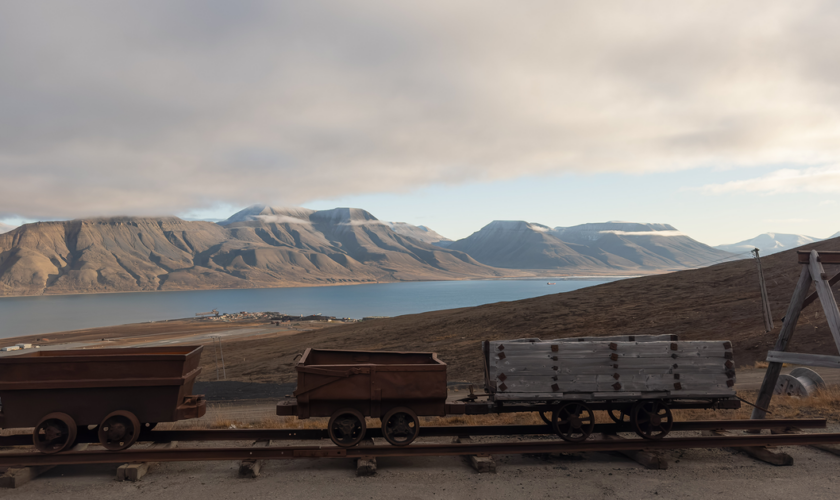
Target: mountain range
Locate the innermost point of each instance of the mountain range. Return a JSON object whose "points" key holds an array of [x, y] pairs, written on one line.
{"points": [[614, 245], [257, 247], [263, 246], [770, 243]]}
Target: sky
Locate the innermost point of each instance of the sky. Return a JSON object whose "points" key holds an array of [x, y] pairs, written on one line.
{"points": [[717, 117]]}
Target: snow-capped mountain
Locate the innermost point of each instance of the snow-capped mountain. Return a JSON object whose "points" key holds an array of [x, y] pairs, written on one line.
{"points": [[596, 246], [770, 243]]}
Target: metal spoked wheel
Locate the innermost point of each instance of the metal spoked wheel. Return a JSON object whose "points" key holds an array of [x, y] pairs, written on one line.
{"points": [[652, 419], [347, 427], [54, 433], [545, 415], [119, 430], [573, 422], [619, 415], [400, 426]]}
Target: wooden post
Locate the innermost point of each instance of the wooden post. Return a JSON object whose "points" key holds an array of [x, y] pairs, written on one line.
{"points": [[366, 466], [765, 394], [647, 459], [832, 314], [251, 468], [765, 301], [757, 452], [134, 472]]}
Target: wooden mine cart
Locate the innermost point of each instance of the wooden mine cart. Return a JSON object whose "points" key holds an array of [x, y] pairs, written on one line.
{"points": [[348, 386], [635, 378], [123, 391]]}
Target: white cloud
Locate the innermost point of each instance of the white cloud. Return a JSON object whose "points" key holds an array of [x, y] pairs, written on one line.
{"points": [[5, 228], [825, 179], [281, 219], [826, 203], [138, 107], [645, 233]]}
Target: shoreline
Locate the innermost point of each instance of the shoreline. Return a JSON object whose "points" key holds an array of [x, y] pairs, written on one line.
{"points": [[588, 276]]}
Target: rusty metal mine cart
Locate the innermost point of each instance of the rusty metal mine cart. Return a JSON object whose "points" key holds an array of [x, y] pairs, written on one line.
{"points": [[348, 386], [122, 391]]}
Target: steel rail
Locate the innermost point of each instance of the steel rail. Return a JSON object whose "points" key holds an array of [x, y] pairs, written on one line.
{"points": [[515, 448], [87, 436]]}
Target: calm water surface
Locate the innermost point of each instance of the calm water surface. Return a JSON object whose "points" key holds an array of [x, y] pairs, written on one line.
{"points": [[35, 315]]}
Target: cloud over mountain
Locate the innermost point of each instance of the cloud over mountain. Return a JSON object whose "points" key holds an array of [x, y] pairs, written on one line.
{"points": [[111, 108]]}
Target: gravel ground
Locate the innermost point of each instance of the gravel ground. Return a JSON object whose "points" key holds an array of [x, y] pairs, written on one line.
{"points": [[693, 474]]}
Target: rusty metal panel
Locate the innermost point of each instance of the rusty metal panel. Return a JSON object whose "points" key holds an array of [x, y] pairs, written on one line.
{"points": [[372, 382], [154, 383]]}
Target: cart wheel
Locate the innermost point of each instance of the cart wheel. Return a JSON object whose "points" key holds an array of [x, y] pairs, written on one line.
{"points": [[119, 430], [652, 419], [545, 415], [347, 427], [573, 422], [400, 426], [55, 432], [619, 416]]}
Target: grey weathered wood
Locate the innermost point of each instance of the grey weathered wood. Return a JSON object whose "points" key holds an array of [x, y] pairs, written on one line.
{"points": [[133, 472], [646, 458], [481, 463], [251, 468], [366, 466], [771, 376], [804, 359], [620, 338], [757, 452], [832, 314]]}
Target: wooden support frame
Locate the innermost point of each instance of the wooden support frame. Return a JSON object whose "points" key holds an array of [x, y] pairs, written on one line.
{"points": [[812, 271]]}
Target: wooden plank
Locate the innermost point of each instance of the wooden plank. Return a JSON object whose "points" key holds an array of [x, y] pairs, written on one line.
{"points": [[647, 459], [804, 359], [251, 468], [135, 471], [620, 338], [481, 463], [765, 394], [832, 314], [757, 452], [826, 257]]}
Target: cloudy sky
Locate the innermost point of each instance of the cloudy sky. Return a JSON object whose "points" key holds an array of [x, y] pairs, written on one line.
{"points": [[721, 118]]}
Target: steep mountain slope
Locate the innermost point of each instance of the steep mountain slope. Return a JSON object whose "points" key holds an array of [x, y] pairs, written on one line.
{"points": [[619, 246], [770, 243], [421, 233], [276, 248], [717, 302], [646, 245], [5, 228], [522, 245]]}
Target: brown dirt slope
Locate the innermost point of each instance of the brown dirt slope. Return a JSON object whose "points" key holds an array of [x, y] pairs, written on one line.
{"points": [[718, 302]]}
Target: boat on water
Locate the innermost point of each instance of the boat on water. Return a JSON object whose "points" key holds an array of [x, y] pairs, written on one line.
{"points": [[550, 283]]}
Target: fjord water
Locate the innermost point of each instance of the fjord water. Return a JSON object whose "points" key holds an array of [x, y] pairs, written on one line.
{"points": [[46, 314]]}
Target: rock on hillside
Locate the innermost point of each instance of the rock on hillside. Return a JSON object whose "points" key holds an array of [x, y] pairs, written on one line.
{"points": [[281, 249]]}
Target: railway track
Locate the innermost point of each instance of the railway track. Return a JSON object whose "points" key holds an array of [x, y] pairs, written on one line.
{"points": [[508, 448], [30, 458]]}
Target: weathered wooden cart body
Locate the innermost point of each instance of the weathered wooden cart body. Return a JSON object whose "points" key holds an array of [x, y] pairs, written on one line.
{"points": [[153, 383], [608, 368], [372, 383]]}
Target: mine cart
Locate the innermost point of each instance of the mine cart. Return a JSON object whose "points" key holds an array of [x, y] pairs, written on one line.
{"points": [[122, 391], [348, 386], [637, 379]]}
